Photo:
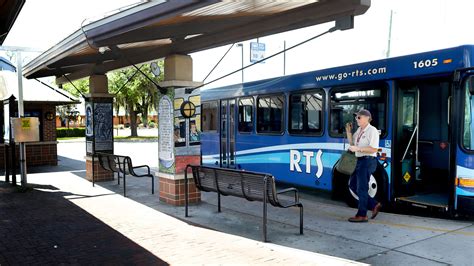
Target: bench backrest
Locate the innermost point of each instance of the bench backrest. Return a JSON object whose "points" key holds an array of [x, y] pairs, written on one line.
{"points": [[116, 163], [249, 185]]}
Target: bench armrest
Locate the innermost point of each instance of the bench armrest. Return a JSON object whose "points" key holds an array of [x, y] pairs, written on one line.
{"points": [[297, 197], [141, 166]]}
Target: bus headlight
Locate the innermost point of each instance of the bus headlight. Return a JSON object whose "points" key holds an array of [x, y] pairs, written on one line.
{"points": [[465, 182]]}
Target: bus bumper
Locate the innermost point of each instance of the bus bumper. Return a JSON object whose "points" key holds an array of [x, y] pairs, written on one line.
{"points": [[465, 204]]}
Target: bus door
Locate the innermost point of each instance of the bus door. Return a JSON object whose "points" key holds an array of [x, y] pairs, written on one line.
{"points": [[407, 137], [227, 134], [422, 148], [462, 197]]}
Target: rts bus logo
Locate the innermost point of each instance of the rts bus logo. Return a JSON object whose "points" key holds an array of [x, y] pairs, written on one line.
{"points": [[295, 158]]}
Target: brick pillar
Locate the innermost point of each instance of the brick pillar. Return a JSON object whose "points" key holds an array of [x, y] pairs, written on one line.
{"points": [[99, 126], [172, 186], [99, 173], [175, 152]]}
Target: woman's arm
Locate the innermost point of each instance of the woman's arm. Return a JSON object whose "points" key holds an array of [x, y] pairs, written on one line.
{"points": [[349, 133]]}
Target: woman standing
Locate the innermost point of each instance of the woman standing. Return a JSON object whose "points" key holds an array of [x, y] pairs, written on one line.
{"points": [[365, 144]]}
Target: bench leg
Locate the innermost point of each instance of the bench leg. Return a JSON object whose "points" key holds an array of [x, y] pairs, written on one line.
{"points": [[301, 219], [93, 176], [124, 186], [218, 202], [186, 192], [152, 185], [118, 178]]}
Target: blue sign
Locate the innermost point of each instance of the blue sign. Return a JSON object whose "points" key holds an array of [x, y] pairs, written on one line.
{"points": [[257, 51]]}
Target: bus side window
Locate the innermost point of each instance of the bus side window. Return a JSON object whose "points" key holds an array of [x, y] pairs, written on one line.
{"points": [[246, 114], [346, 101], [306, 113], [468, 131], [337, 121], [270, 114], [209, 116]]}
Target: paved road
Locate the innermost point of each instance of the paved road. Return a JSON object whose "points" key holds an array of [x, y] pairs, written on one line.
{"points": [[140, 152]]}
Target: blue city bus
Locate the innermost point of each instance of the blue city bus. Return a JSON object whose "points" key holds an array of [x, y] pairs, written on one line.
{"points": [[293, 127]]}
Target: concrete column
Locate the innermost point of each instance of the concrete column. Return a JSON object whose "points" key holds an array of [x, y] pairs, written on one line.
{"points": [[99, 126], [176, 149]]}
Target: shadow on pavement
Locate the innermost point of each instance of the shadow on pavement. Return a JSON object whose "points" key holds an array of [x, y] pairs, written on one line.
{"points": [[43, 227]]}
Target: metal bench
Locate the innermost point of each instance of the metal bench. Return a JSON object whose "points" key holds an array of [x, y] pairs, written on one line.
{"points": [[123, 165], [248, 185]]}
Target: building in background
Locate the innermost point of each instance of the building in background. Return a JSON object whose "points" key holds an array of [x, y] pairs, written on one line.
{"points": [[39, 101]]}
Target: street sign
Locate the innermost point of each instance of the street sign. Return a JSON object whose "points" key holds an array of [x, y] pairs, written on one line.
{"points": [[25, 129], [257, 51]]}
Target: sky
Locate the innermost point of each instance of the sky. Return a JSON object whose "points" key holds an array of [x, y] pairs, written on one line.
{"points": [[417, 26]]}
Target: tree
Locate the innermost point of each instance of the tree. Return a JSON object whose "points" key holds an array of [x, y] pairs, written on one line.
{"points": [[137, 95], [81, 85], [69, 112], [149, 91]]}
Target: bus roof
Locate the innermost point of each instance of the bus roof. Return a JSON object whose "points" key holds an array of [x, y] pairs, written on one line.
{"points": [[6, 65], [438, 62]]}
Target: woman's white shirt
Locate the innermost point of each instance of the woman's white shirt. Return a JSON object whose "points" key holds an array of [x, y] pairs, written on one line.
{"points": [[368, 137]]}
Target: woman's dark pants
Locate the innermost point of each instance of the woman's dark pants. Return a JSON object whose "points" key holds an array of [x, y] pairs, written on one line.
{"points": [[359, 183]]}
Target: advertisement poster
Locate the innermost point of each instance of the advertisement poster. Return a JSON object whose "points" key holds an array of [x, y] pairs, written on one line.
{"points": [[89, 125], [166, 136], [103, 127]]}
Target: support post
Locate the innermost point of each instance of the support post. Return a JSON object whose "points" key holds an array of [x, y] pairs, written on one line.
{"points": [[21, 113], [175, 148], [99, 128]]}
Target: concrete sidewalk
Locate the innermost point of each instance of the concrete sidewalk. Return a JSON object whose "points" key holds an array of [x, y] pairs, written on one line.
{"points": [[391, 239], [118, 231]]}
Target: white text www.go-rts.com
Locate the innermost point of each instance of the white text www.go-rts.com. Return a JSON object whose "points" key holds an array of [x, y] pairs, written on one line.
{"points": [[353, 74]]}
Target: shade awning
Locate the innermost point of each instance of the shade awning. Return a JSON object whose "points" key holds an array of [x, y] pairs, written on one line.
{"points": [[9, 10], [33, 91], [155, 29]]}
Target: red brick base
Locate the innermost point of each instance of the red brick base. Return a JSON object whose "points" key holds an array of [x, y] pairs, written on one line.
{"points": [[100, 173], [172, 191], [41, 153], [182, 160]]}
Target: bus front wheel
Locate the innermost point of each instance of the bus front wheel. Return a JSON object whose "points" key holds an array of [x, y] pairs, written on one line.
{"points": [[377, 188]]}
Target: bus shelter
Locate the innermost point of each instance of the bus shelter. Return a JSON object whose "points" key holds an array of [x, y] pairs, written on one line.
{"points": [[172, 30]]}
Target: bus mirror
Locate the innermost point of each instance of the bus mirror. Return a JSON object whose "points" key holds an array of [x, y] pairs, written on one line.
{"points": [[470, 83]]}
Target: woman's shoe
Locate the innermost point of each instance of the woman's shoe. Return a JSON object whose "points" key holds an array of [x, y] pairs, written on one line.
{"points": [[376, 210], [358, 219]]}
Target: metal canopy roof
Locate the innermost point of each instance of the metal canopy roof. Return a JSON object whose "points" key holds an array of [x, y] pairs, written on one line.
{"points": [[155, 29], [9, 10], [33, 91]]}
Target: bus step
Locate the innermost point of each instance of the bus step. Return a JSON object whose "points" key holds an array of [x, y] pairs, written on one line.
{"points": [[436, 200]]}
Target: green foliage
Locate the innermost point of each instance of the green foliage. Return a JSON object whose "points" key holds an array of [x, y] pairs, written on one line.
{"points": [[62, 132], [137, 95], [82, 85]]}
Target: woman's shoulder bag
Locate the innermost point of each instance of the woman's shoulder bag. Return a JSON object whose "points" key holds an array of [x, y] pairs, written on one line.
{"points": [[347, 163]]}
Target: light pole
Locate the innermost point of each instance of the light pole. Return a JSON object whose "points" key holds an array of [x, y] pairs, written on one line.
{"points": [[241, 45], [21, 112]]}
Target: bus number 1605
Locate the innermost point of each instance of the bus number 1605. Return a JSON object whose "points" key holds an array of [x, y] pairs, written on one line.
{"points": [[425, 63]]}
